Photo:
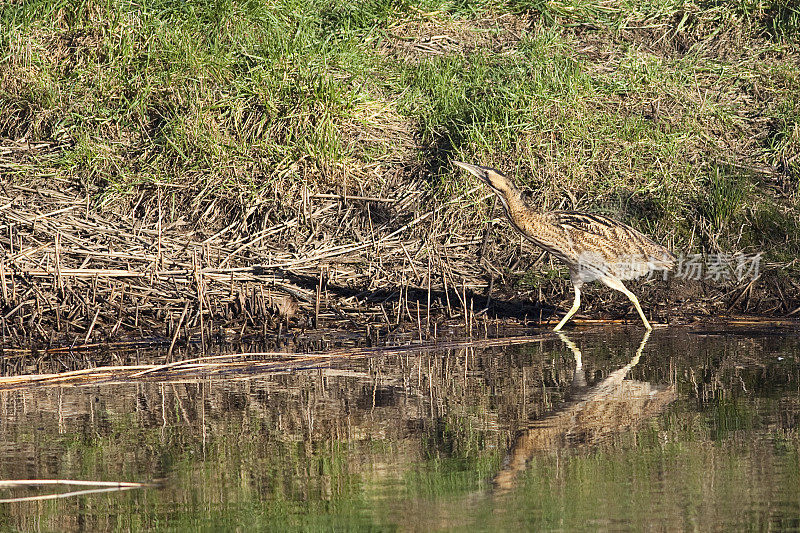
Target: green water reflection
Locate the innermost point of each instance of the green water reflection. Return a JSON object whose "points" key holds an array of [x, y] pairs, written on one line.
{"points": [[697, 432]]}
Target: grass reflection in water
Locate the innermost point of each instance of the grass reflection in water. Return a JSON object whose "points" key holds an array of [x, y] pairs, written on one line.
{"points": [[609, 430]]}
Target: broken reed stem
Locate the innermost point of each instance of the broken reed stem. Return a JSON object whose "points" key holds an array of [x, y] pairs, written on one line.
{"points": [[471, 316], [159, 256], [428, 313], [3, 281], [408, 310], [447, 295], [419, 323], [399, 305], [317, 300], [464, 304], [198, 276], [91, 326], [59, 278], [8, 483], [62, 495], [177, 330]]}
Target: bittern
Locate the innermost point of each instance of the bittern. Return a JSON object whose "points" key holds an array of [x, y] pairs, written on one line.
{"points": [[594, 247]]}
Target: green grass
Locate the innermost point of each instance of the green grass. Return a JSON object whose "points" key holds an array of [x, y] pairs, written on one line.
{"points": [[682, 118]]}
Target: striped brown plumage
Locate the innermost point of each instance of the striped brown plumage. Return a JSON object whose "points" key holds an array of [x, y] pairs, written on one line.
{"points": [[594, 247]]}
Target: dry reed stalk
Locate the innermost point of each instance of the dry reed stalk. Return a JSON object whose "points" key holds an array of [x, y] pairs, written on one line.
{"points": [[419, 324], [317, 300], [62, 495], [59, 278], [159, 257], [198, 276], [320, 196], [9, 483], [91, 326], [177, 330], [428, 297], [108, 486], [3, 281]]}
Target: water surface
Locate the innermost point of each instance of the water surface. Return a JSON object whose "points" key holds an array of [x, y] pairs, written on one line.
{"points": [[689, 430]]}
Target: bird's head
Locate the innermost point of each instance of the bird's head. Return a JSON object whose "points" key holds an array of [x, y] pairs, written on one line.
{"points": [[497, 181]]}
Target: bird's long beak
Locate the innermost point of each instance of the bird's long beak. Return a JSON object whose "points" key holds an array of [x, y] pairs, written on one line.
{"points": [[475, 170]]}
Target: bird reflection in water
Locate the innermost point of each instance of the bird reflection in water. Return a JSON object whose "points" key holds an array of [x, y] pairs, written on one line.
{"points": [[594, 414]]}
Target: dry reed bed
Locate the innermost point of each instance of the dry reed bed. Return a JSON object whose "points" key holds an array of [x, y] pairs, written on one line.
{"points": [[359, 268], [70, 275]]}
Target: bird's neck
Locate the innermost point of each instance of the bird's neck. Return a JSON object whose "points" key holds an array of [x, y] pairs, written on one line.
{"points": [[526, 219], [515, 205], [511, 199]]}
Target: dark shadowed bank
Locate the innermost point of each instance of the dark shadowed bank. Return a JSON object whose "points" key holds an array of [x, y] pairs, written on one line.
{"points": [[209, 171]]}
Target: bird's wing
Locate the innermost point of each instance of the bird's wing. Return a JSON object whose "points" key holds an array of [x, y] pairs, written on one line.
{"points": [[607, 230], [599, 225], [613, 241]]}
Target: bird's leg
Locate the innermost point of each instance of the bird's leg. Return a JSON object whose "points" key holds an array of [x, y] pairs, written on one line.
{"points": [[635, 301], [573, 309], [617, 284], [639, 350], [579, 378]]}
